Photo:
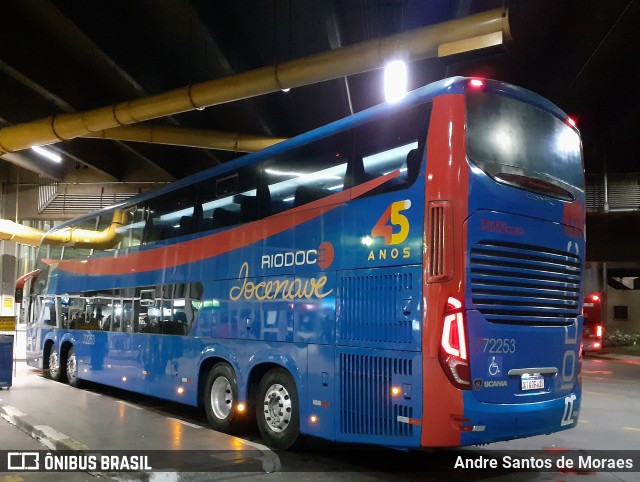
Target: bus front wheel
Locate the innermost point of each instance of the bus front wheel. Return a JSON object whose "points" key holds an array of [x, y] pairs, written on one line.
{"points": [[277, 409], [221, 395], [56, 370]]}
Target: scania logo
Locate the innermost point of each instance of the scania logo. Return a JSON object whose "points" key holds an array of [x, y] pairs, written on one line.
{"points": [[494, 383]]}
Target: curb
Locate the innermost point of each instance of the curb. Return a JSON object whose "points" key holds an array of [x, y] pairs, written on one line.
{"points": [[266, 462], [49, 437], [612, 356]]}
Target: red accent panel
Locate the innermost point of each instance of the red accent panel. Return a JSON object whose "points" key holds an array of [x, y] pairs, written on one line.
{"points": [[447, 180], [20, 282], [326, 254], [219, 243]]}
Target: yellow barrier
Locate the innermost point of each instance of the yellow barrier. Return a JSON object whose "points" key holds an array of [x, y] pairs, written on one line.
{"points": [[7, 323]]}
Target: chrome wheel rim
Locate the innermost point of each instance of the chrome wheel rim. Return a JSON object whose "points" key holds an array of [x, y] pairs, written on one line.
{"points": [[54, 366], [71, 367], [277, 408], [221, 398]]}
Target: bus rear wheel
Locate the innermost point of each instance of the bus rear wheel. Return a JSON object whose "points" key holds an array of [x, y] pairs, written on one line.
{"points": [[277, 409], [220, 398], [72, 369], [56, 370]]}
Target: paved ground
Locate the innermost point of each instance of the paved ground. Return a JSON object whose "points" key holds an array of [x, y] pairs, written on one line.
{"points": [[59, 417]]}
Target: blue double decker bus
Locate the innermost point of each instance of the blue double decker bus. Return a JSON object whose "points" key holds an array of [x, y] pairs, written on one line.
{"points": [[409, 276]]}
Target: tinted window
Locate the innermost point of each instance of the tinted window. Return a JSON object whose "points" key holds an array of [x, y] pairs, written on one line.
{"points": [[170, 215], [308, 173], [231, 199], [512, 141], [131, 231], [393, 144]]}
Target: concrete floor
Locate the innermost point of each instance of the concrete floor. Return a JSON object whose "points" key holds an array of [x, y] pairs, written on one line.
{"points": [[58, 417]]}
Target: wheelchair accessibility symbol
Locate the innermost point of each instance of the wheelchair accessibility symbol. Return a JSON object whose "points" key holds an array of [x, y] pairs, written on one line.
{"points": [[494, 367]]}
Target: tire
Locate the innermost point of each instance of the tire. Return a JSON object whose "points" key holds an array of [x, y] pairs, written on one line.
{"points": [[57, 368], [72, 369], [220, 398], [277, 409]]}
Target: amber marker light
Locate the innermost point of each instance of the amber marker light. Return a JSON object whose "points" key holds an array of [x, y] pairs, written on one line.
{"points": [[395, 391], [124, 379], [180, 390], [314, 419], [241, 407]]}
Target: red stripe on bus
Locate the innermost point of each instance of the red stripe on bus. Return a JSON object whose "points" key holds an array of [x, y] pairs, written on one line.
{"points": [[447, 180]]}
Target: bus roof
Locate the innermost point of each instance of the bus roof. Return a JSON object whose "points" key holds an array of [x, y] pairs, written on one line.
{"points": [[453, 85]]}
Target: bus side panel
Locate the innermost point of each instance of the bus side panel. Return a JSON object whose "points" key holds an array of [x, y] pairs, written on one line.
{"points": [[380, 308], [320, 402], [368, 412], [447, 180]]}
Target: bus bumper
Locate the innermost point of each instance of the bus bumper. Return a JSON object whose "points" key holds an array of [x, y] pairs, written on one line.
{"points": [[493, 422]]}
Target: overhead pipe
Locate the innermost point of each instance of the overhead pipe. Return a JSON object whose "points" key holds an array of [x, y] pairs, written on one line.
{"points": [[177, 136], [74, 237], [362, 57]]}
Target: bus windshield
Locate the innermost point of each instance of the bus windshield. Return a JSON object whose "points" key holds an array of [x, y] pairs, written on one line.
{"points": [[523, 145]]}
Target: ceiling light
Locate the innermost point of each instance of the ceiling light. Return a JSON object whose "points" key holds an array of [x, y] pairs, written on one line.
{"points": [[51, 155], [395, 81]]}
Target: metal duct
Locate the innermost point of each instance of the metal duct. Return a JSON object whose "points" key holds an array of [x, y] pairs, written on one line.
{"points": [[78, 238], [177, 136], [414, 45]]}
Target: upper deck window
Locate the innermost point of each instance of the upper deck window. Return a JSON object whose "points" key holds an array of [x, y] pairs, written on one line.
{"points": [[525, 146], [394, 143], [308, 173]]}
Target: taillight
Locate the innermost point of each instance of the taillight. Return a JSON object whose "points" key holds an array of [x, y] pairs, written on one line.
{"points": [[580, 359], [599, 330], [453, 346]]}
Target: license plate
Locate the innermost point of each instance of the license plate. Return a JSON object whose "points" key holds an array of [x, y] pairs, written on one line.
{"points": [[532, 382]]}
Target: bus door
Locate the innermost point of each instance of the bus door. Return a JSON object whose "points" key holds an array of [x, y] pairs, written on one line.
{"points": [[41, 322]]}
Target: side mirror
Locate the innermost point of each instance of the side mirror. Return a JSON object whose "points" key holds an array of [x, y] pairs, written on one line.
{"points": [[20, 282]]}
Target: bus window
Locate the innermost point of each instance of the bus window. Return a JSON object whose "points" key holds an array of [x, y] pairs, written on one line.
{"points": [[308, 173], [171, 215], [523, 146], [129, 321], [232, 199], [393, 143], [50, 252], [131, 232], [72, 307], [48, 311]]}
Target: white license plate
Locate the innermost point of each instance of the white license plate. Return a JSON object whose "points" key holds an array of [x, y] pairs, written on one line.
{"points": [[532, 382]]}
